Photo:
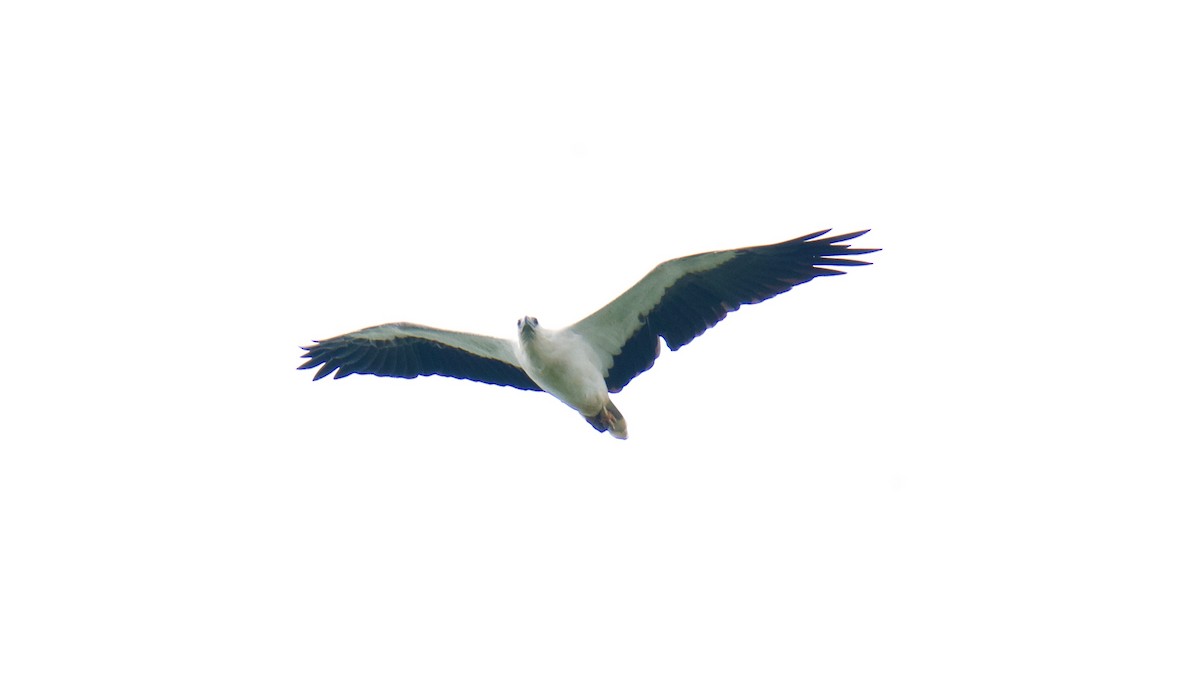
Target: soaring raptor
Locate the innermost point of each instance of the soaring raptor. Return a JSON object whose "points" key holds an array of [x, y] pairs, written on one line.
{"points": [[584, 362]]}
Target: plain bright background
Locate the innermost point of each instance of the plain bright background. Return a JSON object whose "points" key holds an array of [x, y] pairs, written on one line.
{"points": [[977, 456]]}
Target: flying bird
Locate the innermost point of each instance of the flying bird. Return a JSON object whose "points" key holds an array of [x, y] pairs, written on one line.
{"points": [[583, 363]]}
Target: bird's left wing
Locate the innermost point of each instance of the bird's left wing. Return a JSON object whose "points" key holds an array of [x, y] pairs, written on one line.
{"points": [[410, 350], [684, 297]]}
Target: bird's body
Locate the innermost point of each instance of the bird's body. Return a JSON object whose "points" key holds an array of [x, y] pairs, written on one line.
{"points": [[584, 362], [563, 363]]}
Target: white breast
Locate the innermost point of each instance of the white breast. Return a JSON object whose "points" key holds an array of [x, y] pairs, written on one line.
{"points": [[566, 366]]}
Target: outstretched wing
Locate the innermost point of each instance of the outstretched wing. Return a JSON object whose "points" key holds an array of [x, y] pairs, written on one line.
{"points": [[410, 350], [682, 298]]}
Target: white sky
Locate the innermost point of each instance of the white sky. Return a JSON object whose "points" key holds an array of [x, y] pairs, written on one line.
{"points": [[978, 456]]}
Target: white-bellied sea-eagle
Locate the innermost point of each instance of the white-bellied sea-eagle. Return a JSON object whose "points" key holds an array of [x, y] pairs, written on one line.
{"points": [[582, 363]]}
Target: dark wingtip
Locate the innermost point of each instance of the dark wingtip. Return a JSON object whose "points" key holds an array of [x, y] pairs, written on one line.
{"points": [[846, 250], [845, 261], [325, 370], [312, 362], [815, 238], [843, 237]]}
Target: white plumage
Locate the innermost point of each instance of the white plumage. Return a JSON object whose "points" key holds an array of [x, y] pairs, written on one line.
{"points": [[583, 363]]}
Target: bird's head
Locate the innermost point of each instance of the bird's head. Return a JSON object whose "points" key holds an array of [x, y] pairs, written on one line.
{"points": [[526, 326]]}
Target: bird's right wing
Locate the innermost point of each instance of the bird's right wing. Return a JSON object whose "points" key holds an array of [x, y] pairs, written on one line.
{"points": [[410, 350], [684, 297]]}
